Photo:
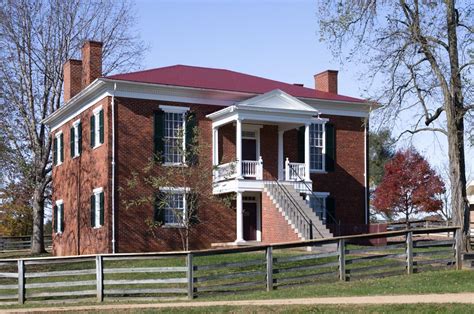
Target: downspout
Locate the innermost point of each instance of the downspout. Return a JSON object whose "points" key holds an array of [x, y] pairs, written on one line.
{"points": [[113, 169], [366, 174]]}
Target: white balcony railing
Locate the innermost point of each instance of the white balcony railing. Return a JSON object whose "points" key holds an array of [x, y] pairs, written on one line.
{"points": [[248, 168], [294, 171]]}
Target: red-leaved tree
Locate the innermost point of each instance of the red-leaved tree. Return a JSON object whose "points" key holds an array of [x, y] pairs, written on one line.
{"points": [[409, 186]]}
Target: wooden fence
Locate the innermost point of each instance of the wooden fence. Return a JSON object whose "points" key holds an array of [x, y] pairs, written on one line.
{"points": [[19, 243], [191, 274]]}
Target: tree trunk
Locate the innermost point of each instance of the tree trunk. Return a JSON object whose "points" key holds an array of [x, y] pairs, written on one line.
{"points": [[457, 174], [37, 239], [454, 107]]}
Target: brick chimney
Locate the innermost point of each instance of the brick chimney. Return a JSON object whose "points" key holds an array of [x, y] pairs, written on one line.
{"points": [[326, 81], [91, 62], [72, 78]]}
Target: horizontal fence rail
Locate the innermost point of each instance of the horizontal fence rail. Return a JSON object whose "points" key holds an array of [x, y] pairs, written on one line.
{"points": [[191, 274], [20, 243]]}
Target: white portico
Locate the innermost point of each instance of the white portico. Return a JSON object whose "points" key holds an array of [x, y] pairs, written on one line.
{"points": [[247, 172]]}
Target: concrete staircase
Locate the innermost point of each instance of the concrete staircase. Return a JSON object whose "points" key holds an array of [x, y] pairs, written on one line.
{"points": [[296, 211]]}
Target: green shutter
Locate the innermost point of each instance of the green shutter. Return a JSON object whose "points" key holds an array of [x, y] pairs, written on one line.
{"points": [[330, 210], [71, 142], [92, 131], [192, 206], [61, 208], [101, 127], [93, 210], [55, 150], [55, 218], [79, 134], [61, 142], [330, 157], [191, 140], [101, 195], [158, 134], [159, 208], [301, 131]]}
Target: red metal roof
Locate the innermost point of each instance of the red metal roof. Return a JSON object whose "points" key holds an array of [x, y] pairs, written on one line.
{"points": [[220, 79]]}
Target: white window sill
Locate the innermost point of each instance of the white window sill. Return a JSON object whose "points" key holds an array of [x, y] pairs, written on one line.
{"points": [[97, 227], [175, 164], [97, 146], [318, 171], [76, 156], [173, 226], [59, 163]]}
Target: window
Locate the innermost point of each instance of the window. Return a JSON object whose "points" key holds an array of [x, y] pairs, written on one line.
{"points": [[174, 208], [174, 137], [58, 149], [316, 145], [97, 127], [76, 139], [318, 204], [170, 207], [97, 208], [58, 213]]}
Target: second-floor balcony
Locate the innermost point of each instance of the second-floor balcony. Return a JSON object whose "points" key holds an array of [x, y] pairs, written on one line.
{"points": [[263, 138], [253, 169]]}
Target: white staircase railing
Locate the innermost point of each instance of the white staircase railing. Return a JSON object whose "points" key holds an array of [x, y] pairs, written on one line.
{"points": [[294, 170]]}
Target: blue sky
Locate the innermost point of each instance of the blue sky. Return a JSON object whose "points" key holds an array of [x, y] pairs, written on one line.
{"points": [[274, 39]]}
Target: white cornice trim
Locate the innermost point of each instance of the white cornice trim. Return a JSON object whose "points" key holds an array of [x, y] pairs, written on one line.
{"points": [[104, 87]]}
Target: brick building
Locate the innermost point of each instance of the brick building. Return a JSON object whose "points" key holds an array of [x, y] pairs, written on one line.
{"points": [[293, 158]]}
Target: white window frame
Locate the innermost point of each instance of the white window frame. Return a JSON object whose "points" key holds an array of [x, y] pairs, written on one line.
{"points": [[178, 110], [60, 145], [96, 113], [175, 190], [321, 122], [96, 193], [59, 218], [75, 125], [256, 129]]}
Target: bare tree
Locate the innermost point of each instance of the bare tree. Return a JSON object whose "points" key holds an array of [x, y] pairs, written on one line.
{"points": [[37, 37], [192, 179], [420, 53]]}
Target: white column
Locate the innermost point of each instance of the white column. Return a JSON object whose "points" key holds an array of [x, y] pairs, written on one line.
{"points": [[280, 155], [240, 219], [215, 146], [306, 152], [238, 147]]}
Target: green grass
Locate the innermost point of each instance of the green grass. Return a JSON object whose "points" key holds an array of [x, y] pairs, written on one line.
{"points": [[408, 308]]}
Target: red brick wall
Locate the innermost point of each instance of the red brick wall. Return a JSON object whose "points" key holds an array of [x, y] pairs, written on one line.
{"points": [[227, 148], [275, 228], [346, 183], [326, 81], [134, 148], [73, 182], [269, 151]]}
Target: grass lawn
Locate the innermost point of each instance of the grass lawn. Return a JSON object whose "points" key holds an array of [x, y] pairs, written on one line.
{"points": [[408, 308], [423, 283]]}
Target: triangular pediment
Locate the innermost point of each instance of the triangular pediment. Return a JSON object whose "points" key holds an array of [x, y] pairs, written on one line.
{"points": [[276, 99]]}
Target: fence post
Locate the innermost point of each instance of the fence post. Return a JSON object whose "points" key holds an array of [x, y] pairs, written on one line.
{"points": [[99, 277], [409, 252], [190, 275], [342, 259], [21, 281], [457, 248], [269, 255]]}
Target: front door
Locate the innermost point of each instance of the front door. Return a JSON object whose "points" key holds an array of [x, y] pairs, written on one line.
{"points": [[249, 149], [250, 221]]}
